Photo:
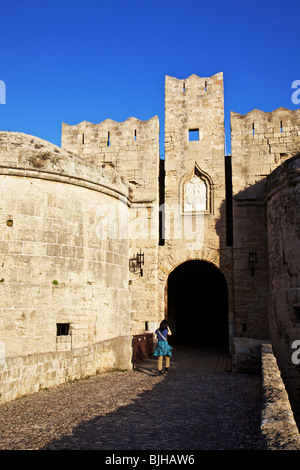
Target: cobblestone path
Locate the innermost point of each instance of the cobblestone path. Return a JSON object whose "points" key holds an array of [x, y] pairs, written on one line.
{"points": [[198, 406]]}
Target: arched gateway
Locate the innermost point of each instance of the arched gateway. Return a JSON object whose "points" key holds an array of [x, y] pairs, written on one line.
{"points": [[197, 307]]}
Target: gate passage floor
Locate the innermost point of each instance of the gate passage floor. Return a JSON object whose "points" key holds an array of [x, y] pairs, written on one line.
{"points": [[200, 405]]}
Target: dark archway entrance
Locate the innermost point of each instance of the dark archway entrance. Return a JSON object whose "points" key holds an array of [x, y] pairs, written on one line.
{"points": [[198, 305]]}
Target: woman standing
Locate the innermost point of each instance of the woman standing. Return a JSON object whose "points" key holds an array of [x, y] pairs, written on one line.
{"points": [[163, 349]]}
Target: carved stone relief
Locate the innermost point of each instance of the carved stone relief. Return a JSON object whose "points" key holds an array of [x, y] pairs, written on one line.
{"points": [[195, 195]]}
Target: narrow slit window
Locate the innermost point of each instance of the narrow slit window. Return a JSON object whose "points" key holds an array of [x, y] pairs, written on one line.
{"points": [[253, 130], [108, 139], [193, 135], [135, 134], [62, 329], [205, 85], [280, 126], [82, 139], [183, 89], [297, 312]]}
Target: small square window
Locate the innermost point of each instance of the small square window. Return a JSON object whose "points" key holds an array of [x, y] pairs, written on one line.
{"points": [[62, 329], [193, 135]]}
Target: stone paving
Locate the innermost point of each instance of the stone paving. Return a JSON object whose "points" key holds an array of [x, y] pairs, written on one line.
{"points": [[200, 405]]}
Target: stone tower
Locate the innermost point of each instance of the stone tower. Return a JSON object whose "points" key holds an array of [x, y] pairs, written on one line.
{"points": [[194, 149], [194, 246]]}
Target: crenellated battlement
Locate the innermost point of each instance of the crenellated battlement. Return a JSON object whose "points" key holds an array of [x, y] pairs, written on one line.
{"points": [[194, 83], [130, 147], [261, 141], [281, 121], [109, 136]]}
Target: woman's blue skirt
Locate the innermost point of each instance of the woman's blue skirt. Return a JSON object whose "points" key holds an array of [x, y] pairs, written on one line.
{"points": [[163, 349]]}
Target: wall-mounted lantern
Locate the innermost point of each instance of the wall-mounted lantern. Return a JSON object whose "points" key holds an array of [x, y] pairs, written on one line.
{"points": [[135, 264], [252, 260], [140, 259]]}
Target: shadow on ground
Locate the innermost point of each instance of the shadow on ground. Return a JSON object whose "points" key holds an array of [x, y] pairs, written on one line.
{"points": [[195, 407]]}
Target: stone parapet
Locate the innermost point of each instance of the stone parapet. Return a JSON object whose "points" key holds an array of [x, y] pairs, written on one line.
{"points": [[24, 375], [23, 155], [246, 355], [278, 426]]}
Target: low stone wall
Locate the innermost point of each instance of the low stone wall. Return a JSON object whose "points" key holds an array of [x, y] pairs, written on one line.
{"points": [[278, 427], [246, 355], [25, 375]]}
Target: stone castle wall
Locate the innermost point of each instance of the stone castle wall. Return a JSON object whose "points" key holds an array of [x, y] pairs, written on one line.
{"points": [[260, 143], [55, 268], [130, 149], [74, 220], [283, 212]]}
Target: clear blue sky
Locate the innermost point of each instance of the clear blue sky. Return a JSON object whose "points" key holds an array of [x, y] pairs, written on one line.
{"points": [[69, 61]]}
